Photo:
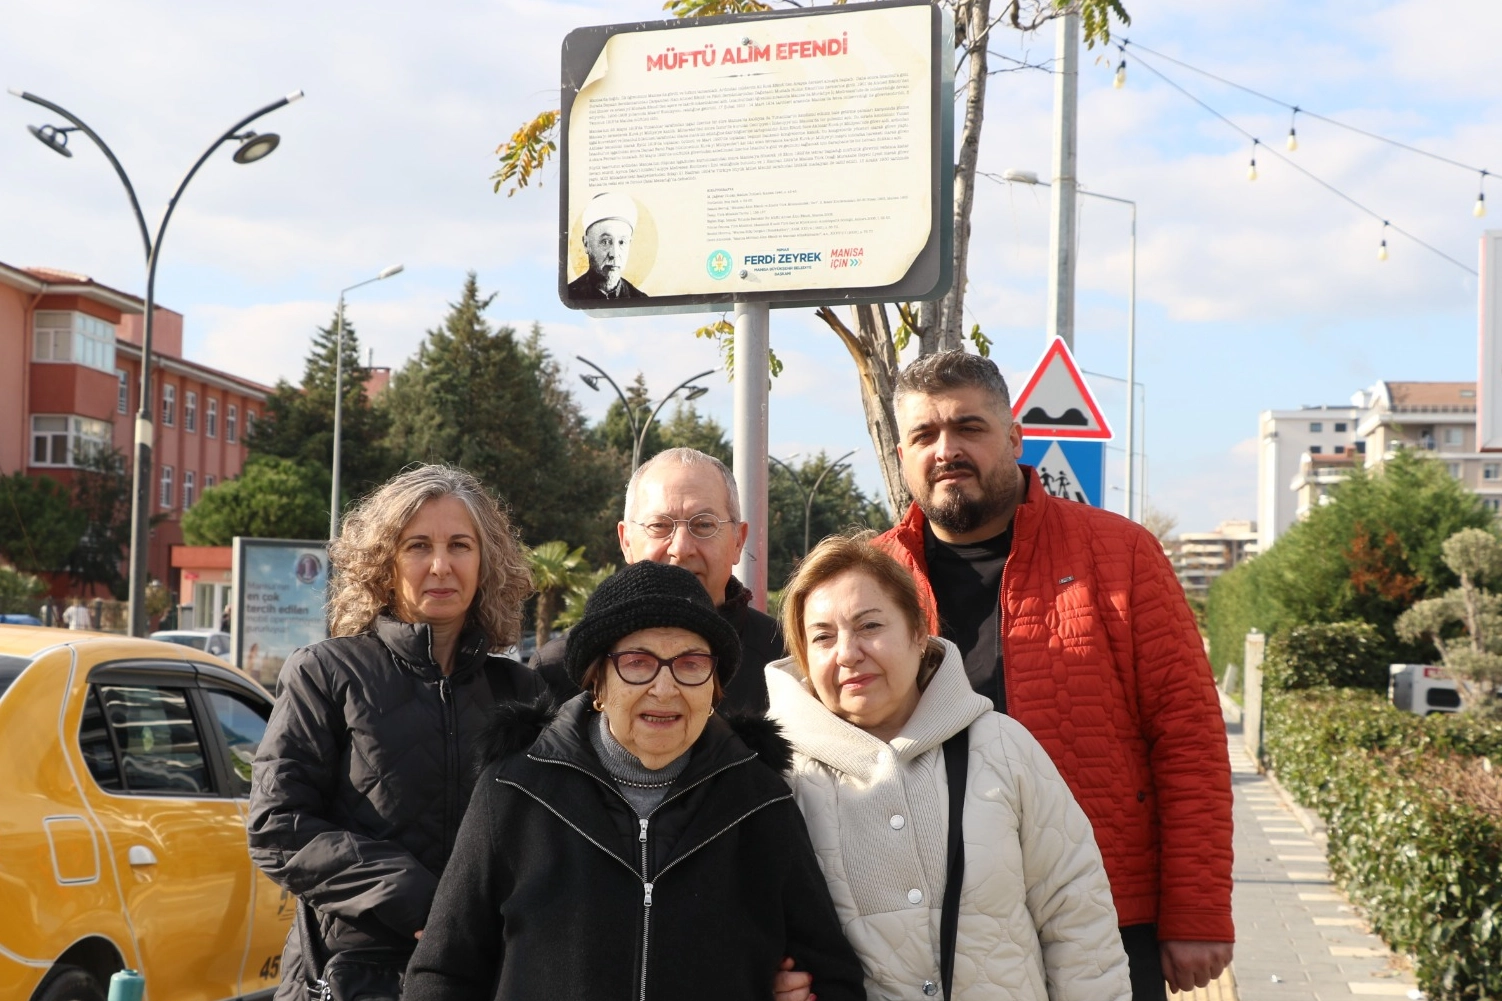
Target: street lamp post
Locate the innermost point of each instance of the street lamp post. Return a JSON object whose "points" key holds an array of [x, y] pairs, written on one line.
{"points": [[812, 492], [1141, 494], [252, 147], [639, 429], [1028, 177], [395, 269]]}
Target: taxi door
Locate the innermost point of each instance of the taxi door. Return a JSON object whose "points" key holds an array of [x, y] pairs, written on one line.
{"points": [[178, 842], [240, 714]]}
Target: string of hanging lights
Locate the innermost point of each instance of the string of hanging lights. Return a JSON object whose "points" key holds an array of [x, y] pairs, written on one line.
{"points": [[1292, 144], [1478, 209]]}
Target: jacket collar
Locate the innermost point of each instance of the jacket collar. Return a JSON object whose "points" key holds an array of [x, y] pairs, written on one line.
{"points": [[737, 601], [412, 644], [947, 706]]}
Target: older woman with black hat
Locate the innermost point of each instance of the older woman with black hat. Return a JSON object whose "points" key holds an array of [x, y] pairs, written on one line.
{"points": [[632, 844]]}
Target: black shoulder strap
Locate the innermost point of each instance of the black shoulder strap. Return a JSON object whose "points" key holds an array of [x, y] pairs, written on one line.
{"points": [[956, 751]]}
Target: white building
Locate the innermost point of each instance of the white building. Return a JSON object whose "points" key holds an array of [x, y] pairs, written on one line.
{"points": [[1200, 557], [1306, 452]]}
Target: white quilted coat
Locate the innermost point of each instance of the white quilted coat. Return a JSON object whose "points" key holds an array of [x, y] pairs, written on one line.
{"points": [[1036, 919]]}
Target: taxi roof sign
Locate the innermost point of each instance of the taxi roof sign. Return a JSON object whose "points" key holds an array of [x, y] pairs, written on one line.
{"points": [[1056, 403]]}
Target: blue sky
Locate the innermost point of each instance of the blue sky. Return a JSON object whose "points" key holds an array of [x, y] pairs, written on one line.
{"points": [[1250, 295]]}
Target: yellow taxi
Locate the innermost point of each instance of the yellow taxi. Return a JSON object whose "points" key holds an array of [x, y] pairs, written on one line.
{"points": [[124, 781]]}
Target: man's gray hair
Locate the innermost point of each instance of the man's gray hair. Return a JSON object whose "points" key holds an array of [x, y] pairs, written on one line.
{"points": [[947, 370], [685, 457]]}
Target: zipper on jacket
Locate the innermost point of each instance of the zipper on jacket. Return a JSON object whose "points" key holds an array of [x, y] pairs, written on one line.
{"points": [[646, 907], [450, 763]]}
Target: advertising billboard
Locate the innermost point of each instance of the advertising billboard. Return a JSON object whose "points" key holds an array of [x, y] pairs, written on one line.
{"points": [[800, 157], [280, 587]]}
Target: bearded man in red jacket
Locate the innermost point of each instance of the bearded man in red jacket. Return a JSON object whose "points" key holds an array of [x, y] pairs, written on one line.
{"points": [[1071, 621]]}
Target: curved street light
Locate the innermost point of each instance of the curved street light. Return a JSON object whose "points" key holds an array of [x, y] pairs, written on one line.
{"points": [[812, 492], [395, 269], [252, 147], [639, 430]]}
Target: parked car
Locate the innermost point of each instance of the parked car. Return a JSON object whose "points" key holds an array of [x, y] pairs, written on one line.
{"points": [[208, 640], [122, 822], [19, 619]]}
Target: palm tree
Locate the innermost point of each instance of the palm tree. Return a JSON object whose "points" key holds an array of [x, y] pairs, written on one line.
{"points": [[576, 596], [556, 569]]}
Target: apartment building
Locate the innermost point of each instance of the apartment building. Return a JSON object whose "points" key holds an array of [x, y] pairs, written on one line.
{"points": [[1200, 557], [70, 364]]}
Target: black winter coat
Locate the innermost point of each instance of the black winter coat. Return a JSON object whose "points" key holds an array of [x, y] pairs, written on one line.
{"points": [[362, 778], [761, 643], [557, 890]]}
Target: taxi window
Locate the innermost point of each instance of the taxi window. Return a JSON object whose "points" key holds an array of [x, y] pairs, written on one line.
{"points": [[243, 725], [10, 670], [159, 747], [98, 750]]}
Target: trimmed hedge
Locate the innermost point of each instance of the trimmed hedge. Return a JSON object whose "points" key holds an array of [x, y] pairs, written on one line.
{"points": [[1414, 815], [1328, 655]]}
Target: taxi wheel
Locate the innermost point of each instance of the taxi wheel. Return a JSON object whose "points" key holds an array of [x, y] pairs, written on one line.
{"points": [[69, 983]]}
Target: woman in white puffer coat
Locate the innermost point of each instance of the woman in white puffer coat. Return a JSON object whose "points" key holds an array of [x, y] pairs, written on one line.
{"points": [[868, 700]]}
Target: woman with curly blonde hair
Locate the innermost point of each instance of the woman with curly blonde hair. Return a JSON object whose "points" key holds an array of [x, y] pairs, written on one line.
{"points": [[368, 761]]}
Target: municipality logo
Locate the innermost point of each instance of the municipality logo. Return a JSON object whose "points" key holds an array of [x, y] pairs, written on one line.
{"points": [[719, 264]]}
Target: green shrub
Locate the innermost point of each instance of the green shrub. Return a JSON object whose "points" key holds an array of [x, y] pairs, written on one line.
{"points": [[1330, 655], [1414, 817]]}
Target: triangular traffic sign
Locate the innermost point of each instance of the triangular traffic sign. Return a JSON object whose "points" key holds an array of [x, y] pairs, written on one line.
{"points": [[1056, 403]]}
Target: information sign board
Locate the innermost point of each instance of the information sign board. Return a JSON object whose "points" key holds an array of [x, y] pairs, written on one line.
{"points": [[280, 590], [799, 157]]}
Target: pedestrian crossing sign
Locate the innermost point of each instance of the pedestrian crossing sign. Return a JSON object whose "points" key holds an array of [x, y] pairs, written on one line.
{"points": [[1074, 470]]}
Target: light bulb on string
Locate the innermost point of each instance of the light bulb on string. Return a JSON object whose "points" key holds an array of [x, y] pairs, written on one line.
{"points": [[1382, 247], [1120, 79], [1479, 209], [1293, 133], [1251, 170]]}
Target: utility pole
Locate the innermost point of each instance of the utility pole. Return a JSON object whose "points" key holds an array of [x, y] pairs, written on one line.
{"points": [[1061, 238]]}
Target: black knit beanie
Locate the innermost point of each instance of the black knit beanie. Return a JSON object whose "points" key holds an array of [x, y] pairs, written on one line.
{"points": [[647, 595]]}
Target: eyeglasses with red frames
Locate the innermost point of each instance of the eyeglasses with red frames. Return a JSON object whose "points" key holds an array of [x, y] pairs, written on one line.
{"points": [[639, 667]]}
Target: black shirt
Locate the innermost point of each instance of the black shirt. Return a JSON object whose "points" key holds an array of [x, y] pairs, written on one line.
{"points": [[966, 581]]}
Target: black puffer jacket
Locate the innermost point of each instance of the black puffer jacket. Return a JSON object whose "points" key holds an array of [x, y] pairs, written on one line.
{"points": [[557, 890], [761, 643], [364, 774]]}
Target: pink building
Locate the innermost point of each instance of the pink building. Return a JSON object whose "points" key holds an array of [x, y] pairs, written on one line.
{"points": [[70, 364]]}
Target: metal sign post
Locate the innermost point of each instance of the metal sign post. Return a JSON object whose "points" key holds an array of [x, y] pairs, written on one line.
{"points": [[752, 341]]}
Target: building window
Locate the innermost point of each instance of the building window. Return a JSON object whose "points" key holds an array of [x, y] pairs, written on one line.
{"points": [[1340, 427], [1454, 436], [166, 493], [1340, 450], [1492, 471], [190, 411], [1361, 448], [187, 489], [1453, 468], [250, 423], [1492, 504], [1315, 449], [64, 440], [69, 336], [231, 418], [169, 404], [208, 482], [211, 418], [122, 403], [1315, 427]]}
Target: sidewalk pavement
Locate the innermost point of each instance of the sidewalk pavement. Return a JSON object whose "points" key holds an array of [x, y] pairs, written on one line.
{"points": [[1297, 936]]}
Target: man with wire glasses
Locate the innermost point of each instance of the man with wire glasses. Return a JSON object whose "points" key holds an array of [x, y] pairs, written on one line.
{"points": [[682, 508]]}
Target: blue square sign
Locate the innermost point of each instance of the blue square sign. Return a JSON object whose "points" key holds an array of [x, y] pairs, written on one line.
{"points": [[1066, 467]]}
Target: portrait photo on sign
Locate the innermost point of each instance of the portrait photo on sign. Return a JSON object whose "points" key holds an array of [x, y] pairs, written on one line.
{"points": [[612, 246]]}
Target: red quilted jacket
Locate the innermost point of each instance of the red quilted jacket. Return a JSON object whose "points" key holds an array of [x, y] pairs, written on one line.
{"points": [[1105, 667]]}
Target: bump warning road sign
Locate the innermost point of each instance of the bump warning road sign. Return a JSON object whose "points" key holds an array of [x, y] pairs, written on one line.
{"points": [[1056, 403]]}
